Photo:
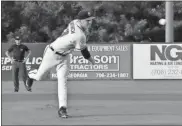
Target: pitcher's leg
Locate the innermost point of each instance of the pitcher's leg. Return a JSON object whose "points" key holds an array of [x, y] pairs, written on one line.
{"points": [[49, 61], [62, 73]]}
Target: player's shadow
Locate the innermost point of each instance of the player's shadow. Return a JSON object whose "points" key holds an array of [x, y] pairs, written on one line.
{"points": [[107, 115]]}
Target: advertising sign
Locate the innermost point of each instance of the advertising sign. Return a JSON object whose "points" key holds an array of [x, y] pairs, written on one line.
{"points": [[157, 61], [111, 62]]}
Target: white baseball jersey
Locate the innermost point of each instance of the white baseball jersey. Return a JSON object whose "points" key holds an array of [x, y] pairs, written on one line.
{"points": [[73, 37]]}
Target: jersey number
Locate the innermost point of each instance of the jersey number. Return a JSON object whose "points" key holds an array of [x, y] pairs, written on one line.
{"points": [[66, 31]]}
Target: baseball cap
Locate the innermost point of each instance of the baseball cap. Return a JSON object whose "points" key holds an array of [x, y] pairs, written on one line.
{"points": [[85, 15], [17, 38]]}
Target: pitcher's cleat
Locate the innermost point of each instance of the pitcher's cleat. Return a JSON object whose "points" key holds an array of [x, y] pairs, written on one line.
{"points": [[62, 112]]}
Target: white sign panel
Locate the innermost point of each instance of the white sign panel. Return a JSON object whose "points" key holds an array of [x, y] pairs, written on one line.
{"points": [[157, 61]]}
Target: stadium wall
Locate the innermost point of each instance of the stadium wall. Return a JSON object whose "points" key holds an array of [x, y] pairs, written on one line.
{"points": [[113, 62]]}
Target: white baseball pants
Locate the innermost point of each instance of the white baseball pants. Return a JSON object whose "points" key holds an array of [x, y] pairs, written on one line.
{"points": [[50, 60]]}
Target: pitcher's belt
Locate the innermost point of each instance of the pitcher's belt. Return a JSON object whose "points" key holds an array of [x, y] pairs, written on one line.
{"points": [[61, 54]]}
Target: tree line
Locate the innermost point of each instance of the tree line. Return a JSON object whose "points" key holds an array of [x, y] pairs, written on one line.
{"points": [[118, 21]]}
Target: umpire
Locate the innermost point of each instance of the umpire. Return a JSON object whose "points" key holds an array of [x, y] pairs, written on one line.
{"points": [[17, 55]]}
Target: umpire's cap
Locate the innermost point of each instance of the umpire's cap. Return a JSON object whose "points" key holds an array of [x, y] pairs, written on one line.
{"points": [[85, 15], [17, 38]]}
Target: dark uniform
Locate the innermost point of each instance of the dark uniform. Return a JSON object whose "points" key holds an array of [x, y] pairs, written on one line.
{"points": [[18, 54]]}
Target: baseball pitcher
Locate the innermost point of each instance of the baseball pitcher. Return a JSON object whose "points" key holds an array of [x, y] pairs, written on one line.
{"points": [[57, 55]]}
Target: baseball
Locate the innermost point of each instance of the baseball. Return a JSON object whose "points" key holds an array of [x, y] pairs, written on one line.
{"points": [[162, 21]]}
